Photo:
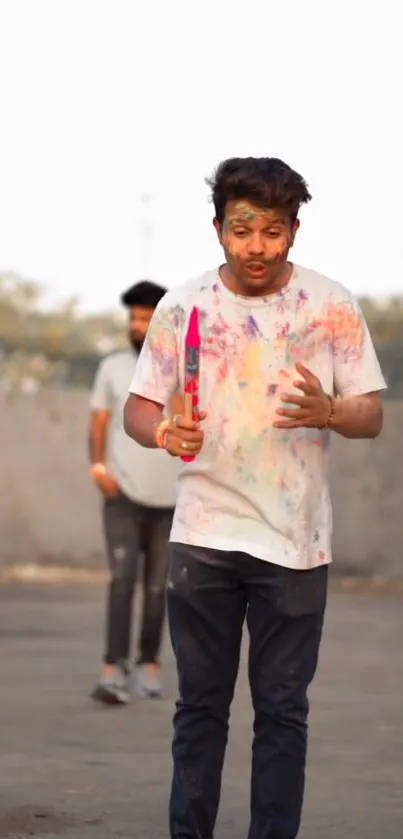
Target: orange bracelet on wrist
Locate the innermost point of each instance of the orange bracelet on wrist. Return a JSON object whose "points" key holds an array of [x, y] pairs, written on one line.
{"points": [[329, 422], [161, 432]]}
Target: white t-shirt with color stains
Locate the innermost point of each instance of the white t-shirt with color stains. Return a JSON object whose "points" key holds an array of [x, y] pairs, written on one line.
{"points": [[254, 488]]}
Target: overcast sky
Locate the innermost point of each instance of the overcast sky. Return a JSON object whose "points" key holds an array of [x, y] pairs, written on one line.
{"points": [[103, 101]]}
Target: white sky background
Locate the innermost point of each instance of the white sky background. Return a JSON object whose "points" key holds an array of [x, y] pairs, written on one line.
{"points": [[104, 100]]}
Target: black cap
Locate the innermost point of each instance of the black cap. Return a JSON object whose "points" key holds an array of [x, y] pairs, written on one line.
{"points": [[145, 294]]}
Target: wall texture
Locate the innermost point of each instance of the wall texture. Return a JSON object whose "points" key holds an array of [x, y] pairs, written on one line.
{"points": [[49, 511]]}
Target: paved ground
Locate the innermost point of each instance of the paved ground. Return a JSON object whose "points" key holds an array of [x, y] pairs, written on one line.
{"points": [[72, 771]]}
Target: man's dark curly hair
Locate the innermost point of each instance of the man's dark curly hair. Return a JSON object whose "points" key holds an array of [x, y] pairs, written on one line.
{"points": [[264, 181], [144, 293]]}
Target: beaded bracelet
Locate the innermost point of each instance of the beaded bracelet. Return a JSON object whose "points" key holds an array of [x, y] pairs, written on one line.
{"points": [[329, 421], [330, 418]]}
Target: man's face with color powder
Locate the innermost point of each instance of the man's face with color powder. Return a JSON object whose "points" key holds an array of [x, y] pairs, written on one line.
{"points": [[139, 320], [256, 242]]}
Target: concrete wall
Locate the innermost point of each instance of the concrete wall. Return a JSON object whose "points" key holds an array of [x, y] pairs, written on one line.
{"points": [[49, 510]]}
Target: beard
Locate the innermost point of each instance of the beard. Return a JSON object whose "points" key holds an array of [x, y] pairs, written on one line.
{"points": [[137, 343]]}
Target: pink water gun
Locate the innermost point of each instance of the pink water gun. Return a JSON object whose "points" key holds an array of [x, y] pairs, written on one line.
{"points": [[192, 369]]}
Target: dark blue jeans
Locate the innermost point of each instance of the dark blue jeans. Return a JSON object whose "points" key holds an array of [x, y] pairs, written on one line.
{"points": [[209, 595]]}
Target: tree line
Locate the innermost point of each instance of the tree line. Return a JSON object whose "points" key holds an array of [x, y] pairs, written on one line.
{"points": [[63, 345]]}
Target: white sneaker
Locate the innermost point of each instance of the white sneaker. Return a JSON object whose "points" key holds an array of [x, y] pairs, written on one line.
{"points": [[148, 685], [114, 689]]}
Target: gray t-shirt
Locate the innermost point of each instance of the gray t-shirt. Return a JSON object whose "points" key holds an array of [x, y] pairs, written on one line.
{"points": [[146, 476]]}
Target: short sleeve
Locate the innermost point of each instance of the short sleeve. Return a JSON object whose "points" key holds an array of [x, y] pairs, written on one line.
{"points": [[156, 377], [356, 366], [101, 394]]}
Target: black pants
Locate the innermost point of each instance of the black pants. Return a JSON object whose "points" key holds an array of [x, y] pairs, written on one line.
{"points": [[209, 595], [131, 530]]}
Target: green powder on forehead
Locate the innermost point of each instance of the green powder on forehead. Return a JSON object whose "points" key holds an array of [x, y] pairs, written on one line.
{"points": [[243, 211]]}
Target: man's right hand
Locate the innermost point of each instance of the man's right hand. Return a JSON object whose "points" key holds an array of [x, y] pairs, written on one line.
{"points": [[104, 480], [183, 436]]}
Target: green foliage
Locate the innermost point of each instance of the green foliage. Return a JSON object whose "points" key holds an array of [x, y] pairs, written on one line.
{"points": [[26, 324], [64, 345]]}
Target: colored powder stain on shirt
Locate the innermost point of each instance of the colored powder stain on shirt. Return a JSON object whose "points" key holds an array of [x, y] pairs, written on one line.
{"points": [[178, 316], [255, 488], [302, 298], [251, 328]]}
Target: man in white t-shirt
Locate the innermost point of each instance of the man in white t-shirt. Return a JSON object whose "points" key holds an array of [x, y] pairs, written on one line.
{"points": [[286, 359], [138, 494]]}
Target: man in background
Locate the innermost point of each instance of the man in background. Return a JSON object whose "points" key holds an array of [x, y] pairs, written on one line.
{"points": [[138, 489]]}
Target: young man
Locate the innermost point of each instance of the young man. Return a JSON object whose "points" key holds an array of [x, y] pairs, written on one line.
{"points": [[286, 360], [138, 490]]}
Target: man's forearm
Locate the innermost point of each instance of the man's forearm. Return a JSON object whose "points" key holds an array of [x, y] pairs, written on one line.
{"points": [[141, 419], [358, 417], [99, 425]]}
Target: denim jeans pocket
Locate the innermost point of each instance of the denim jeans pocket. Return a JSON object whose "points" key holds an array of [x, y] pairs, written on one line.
{"points": [[302, 592]]}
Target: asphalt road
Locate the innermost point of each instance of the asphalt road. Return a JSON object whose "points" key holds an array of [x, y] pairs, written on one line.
{"points": [[69, 770]]}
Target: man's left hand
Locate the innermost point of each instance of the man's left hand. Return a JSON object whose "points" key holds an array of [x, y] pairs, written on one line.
{"points": [[312, 409]]}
